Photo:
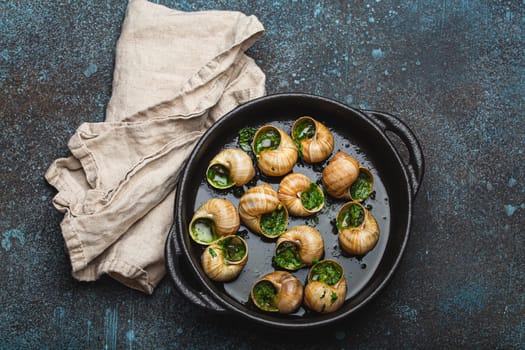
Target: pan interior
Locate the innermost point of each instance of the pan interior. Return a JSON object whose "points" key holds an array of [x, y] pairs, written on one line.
{"points": [[352, 134]]}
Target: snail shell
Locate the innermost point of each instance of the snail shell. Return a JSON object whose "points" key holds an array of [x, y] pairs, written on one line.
{"points": [[230, 167], [287, 289], [321, 296], [255, 203], [215, 218], [340, 174], [357, 238], [278, 156], [224, 259], [296, 188], [308, 244], [314, 139]]}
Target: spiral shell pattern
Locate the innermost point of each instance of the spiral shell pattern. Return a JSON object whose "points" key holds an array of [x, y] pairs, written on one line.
{"points": [[360, 196], [290, 190], [361, 239], [223, 215], [279, 161], [238, 163], [289, 292], [217, 266], [256, 202], [319, 147], [308, 241], [340, 174], [322, 297]]}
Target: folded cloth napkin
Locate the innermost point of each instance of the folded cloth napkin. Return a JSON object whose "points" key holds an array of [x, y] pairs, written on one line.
{"points": [[175, 74]]}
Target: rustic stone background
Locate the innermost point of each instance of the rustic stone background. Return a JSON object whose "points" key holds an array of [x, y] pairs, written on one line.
{"points": [[453, 70]]}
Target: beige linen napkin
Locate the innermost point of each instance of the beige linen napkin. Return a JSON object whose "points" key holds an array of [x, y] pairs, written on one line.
{"points": [[175, 74]]}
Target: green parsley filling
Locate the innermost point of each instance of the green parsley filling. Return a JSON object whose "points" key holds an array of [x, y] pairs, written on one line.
{"points": [[304, 129], [313, 197], [351, 216], [287, 256], [245, 138], [273, 224], [233, 248], [219, 176], [268, 139], [326, 272], [362, 187], [264, 294], [203, 230]]}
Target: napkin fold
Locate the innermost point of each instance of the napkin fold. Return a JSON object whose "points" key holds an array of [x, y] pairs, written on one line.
{"points": [[175, 74]]}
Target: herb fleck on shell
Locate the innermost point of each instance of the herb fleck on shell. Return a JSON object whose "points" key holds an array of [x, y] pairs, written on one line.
{"points": [[333, 298]]}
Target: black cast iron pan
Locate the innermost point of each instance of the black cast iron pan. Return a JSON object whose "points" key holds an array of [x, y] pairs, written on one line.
{"points": [[363, 134]]}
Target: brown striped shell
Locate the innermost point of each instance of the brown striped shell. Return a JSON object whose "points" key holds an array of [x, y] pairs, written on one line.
{"points": [[316, 148], [215, 261], [340, 174], [322, 297], [256, 202], [309, 242], [238, 164], [289, 292], [360, 239], [279, 161], [222, 217], [290, 189]]}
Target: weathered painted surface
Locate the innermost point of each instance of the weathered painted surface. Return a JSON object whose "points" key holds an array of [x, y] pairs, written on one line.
{"points": [[452, 69]]}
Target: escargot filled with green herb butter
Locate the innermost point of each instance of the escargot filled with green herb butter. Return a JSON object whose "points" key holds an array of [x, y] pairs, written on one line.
{"points": [[215, 218], [230, 167], [300, 246], [300, 195], [344, 178], [358, 229], [224, 259], [313, 139], [325, 290], [261, 211], [278, 291], [275, 151]]}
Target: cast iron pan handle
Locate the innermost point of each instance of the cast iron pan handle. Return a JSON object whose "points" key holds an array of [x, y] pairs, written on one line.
{"points": [[416, 163], [175, 261]]}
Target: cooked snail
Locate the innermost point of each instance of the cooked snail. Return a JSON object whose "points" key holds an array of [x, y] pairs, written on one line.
{"points": [[275, 151], [298, 247], [230, 167], [325, 290], [314, 140], [340, 174], [213, 219], [278, 291], [261, 211], [224, 259], [300, 195], [343, 177], [358, 229]]}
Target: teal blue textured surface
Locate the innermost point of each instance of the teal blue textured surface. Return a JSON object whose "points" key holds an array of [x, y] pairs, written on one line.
{"points": [[453, 70]]}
